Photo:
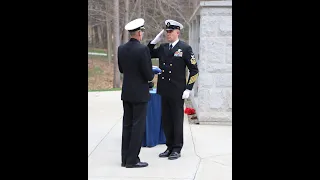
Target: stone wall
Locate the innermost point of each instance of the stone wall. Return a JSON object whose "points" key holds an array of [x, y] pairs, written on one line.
{"points": [[211, 40]]}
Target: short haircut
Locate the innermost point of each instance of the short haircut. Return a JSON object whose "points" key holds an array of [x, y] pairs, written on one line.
{"points": [[132, 33]]}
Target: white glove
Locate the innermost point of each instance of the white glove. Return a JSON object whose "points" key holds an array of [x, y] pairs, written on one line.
{"points": [[186, 94], [157, 38]]}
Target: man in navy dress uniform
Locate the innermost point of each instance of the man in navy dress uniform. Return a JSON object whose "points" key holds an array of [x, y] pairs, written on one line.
{"points": [[173, 86], [135, 63]]}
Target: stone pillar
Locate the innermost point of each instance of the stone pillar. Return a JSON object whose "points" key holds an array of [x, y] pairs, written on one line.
{"points": [[213, 100]]}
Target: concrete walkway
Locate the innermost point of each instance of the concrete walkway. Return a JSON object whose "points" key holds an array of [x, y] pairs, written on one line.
{"points": [[206, 155]]}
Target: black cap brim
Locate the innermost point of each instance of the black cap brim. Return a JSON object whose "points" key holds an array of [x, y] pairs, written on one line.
{"points": [[172, 27], [142, 28]]}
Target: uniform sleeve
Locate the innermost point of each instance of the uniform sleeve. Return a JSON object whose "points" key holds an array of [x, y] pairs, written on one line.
{"points": [[119, 64], [154, 52], [192, 65], [146, 65]]}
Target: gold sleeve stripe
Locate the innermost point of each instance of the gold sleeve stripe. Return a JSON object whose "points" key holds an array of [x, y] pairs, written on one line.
{"points": [[193, 78]]}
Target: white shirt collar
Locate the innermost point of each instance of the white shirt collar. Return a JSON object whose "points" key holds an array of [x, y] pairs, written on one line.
{"points": [[174, 43]]}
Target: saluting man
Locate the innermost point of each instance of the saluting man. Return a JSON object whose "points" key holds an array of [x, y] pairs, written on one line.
{"points": [[135, 63], [172, 86]]}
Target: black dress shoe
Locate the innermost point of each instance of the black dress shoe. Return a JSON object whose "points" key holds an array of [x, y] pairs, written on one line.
{"points": [[174, 155], [138, 165], [123, 164], [165, 154]]}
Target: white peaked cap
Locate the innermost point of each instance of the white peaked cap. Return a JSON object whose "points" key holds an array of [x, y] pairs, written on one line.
{"points": [[172, 24], [135, 24]]}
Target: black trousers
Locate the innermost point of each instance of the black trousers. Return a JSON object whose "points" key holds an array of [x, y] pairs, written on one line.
{"points": [[172, 122], [134, 122]]}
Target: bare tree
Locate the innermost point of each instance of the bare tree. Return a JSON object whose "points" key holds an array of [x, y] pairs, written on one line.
{"points": [[126, 20], [109, 40], [155, 12], [116, 78], [139, 8], [106, 20]]}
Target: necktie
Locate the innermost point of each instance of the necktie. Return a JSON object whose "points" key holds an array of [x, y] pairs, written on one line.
{"points": [[170, 47]]}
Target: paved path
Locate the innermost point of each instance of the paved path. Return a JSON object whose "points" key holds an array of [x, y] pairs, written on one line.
{"points": [[206, 155]]}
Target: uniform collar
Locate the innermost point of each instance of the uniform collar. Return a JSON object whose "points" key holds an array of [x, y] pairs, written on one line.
{"points": [[134, 40], [174, 43]]}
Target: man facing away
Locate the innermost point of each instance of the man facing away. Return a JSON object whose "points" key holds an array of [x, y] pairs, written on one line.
{"points": [[174, 57], [135, 63]]}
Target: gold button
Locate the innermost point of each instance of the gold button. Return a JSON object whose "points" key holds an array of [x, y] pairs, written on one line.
{"points": [[162, 70], [164, 63], [169, 71], [170, 64], [169, 79], [162, 77]]}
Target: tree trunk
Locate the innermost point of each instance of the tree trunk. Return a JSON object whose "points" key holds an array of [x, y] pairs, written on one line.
{"points": [[126, 20], [139, 9], [93, 36], [109, 36], [90, 35], [100, 42], [116, 78], [109, 40]]}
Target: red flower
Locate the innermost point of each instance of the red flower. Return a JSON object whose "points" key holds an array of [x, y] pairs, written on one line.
{"points": [[189, 111]]}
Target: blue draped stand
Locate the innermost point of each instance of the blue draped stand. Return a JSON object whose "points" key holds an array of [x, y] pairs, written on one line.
{"points": [[154, 134]]}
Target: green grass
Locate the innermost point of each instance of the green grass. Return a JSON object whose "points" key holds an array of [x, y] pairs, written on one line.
{"points": [[102, 58], [96, 50], [112, 89]]}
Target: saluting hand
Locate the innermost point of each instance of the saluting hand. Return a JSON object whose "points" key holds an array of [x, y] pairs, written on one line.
{"points": [[157, 38]]}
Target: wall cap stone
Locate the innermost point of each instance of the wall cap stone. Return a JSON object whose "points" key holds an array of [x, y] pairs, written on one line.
{"points": [[216, 3]]}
